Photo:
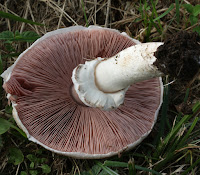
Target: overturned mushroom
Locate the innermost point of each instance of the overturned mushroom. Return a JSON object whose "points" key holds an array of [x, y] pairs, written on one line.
{"points": [[97, 115]]}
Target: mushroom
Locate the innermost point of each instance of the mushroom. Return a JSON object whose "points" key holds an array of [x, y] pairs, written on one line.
{"points": [[109, 105]]}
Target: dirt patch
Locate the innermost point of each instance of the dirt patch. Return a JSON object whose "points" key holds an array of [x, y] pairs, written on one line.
{"points": [[179, 56]]}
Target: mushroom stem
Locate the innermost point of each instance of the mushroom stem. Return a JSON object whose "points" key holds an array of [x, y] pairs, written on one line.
{"points": [[103, 83], [131, 65]]}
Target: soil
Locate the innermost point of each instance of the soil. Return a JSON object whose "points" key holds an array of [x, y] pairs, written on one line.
{"points": [[179, 56], [126, 16]]}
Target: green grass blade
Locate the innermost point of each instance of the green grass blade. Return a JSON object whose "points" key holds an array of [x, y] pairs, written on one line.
{"points": [[108, 170], [115, 164], [184, 101], [125, 165], [194, 135], [196, 111], [186, 95], [171, 136], [165, 13], [155, 25], [169, 158], [148, 32], [156, 14], [85, 16], [163, 115], [176, 128], [17, 18], [179, 116], [143, 9], [191, 167], [147, 170], [189, 131], [196, 107], [131, 167]]}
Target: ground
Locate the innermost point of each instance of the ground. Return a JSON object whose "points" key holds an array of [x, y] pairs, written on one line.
{"points": [[146, 21]]}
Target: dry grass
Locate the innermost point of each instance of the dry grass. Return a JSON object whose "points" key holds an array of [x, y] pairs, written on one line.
{"points": [[122, 15]]}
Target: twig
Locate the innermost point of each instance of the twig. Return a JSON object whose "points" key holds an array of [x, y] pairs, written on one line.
{"points": [[7, 115], [17, 170], [193, 79], [10, 11], [8, 21], [95, 12], [25, 16], [107, 13], [77, 168], [186, 2], [32, 17], [60, 18], [196, 86], [56, 7]]}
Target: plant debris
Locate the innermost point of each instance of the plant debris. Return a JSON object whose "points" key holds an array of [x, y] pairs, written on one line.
{"points": [[179, 56]]}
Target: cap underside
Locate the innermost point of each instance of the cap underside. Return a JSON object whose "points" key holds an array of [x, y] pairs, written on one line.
{"points": [[41, 80]]}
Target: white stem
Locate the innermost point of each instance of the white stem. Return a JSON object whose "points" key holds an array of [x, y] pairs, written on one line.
{"points": [[102, 83], [131, 65]]}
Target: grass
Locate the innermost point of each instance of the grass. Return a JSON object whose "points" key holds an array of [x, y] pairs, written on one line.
{"points": [[173, 147]]}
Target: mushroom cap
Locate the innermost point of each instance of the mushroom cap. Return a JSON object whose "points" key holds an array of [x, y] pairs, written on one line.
{"points": [[39, 86]]}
